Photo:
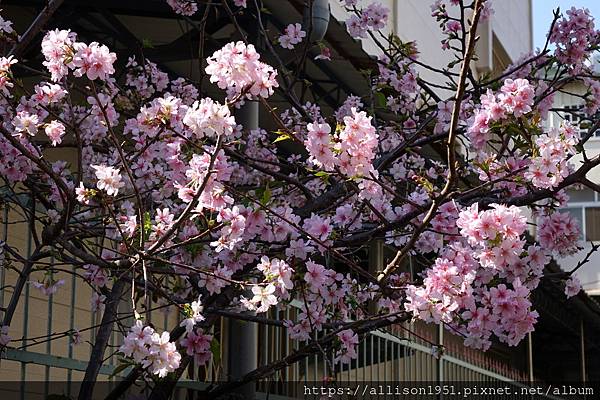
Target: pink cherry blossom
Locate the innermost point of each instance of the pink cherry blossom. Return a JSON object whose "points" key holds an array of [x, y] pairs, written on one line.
{"points": [[349, 342], [292, 36], [4, 337], [197, 345], [5, 74], [109, 179], [572, 287], [97, 302], [236, 67], [49, 286], [152, 350], [55, 131], [25, 122], [183, 7], [94, 61], [559, 233], [209, 118]]}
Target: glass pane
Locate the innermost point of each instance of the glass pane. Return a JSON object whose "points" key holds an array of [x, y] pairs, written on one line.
{"points": [[577, 213], [580, 195], [592, 223]]}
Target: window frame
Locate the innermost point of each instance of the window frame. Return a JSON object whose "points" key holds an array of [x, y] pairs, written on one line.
{"points": [[575, 119]]}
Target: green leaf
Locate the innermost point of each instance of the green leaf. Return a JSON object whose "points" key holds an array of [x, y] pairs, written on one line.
{"points": [[281, 138], [194, 248], [147, 44], [215, 349], [324, 176], [380, 100], [266, 196], [147, 224]]}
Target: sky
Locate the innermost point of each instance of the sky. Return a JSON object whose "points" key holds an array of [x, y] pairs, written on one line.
{"points": [[542, 15]]}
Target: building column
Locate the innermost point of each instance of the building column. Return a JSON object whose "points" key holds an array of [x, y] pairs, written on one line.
{"points": [[243, 335]]}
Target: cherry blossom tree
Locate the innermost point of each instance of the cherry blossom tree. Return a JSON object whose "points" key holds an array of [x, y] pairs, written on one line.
{"points": [[171, 197]]}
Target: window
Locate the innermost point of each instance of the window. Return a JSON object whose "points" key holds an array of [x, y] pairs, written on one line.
{"points": [[584, 206], [584, 195], [592, 223], [575, 115]]}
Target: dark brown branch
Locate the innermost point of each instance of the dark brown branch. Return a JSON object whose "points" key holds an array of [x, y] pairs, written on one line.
{"points": [[36, 26]]}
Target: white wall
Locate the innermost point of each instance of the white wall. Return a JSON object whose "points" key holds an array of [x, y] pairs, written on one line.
{"points": [[411, 20]]}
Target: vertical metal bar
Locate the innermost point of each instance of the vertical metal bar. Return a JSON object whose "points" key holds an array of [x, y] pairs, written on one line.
{"points": [[583, 369], [440, 363], [385, 360], [26, 306], [71, 327], [583, 224], [49, 332], [371, 357], [404, 363], [316, 366], [4, 238], [165, 319], [278, 346], [378, 357], [530, 357], [306, 366], [364, 358], [288, 370]]}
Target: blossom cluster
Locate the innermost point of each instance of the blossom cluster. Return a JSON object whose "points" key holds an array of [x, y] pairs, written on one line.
{"points": [[151, 350], [457, 290], [573, 35], [373, 17], [197, 345], [5, 74], [183, 7], [516, 99], [236, 68], [551, 165], [352, 149], [349, 341], [572, 287], [95, 275], [146, 79], [293, 34], [209, 118], [559, 233], [108, 179], [62, 52]]}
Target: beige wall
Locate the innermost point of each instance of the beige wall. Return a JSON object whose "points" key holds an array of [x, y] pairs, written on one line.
{"points": [[54, 317]]}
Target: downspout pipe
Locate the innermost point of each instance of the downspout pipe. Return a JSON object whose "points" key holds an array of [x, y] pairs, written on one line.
{"points": [[319, 20]]}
